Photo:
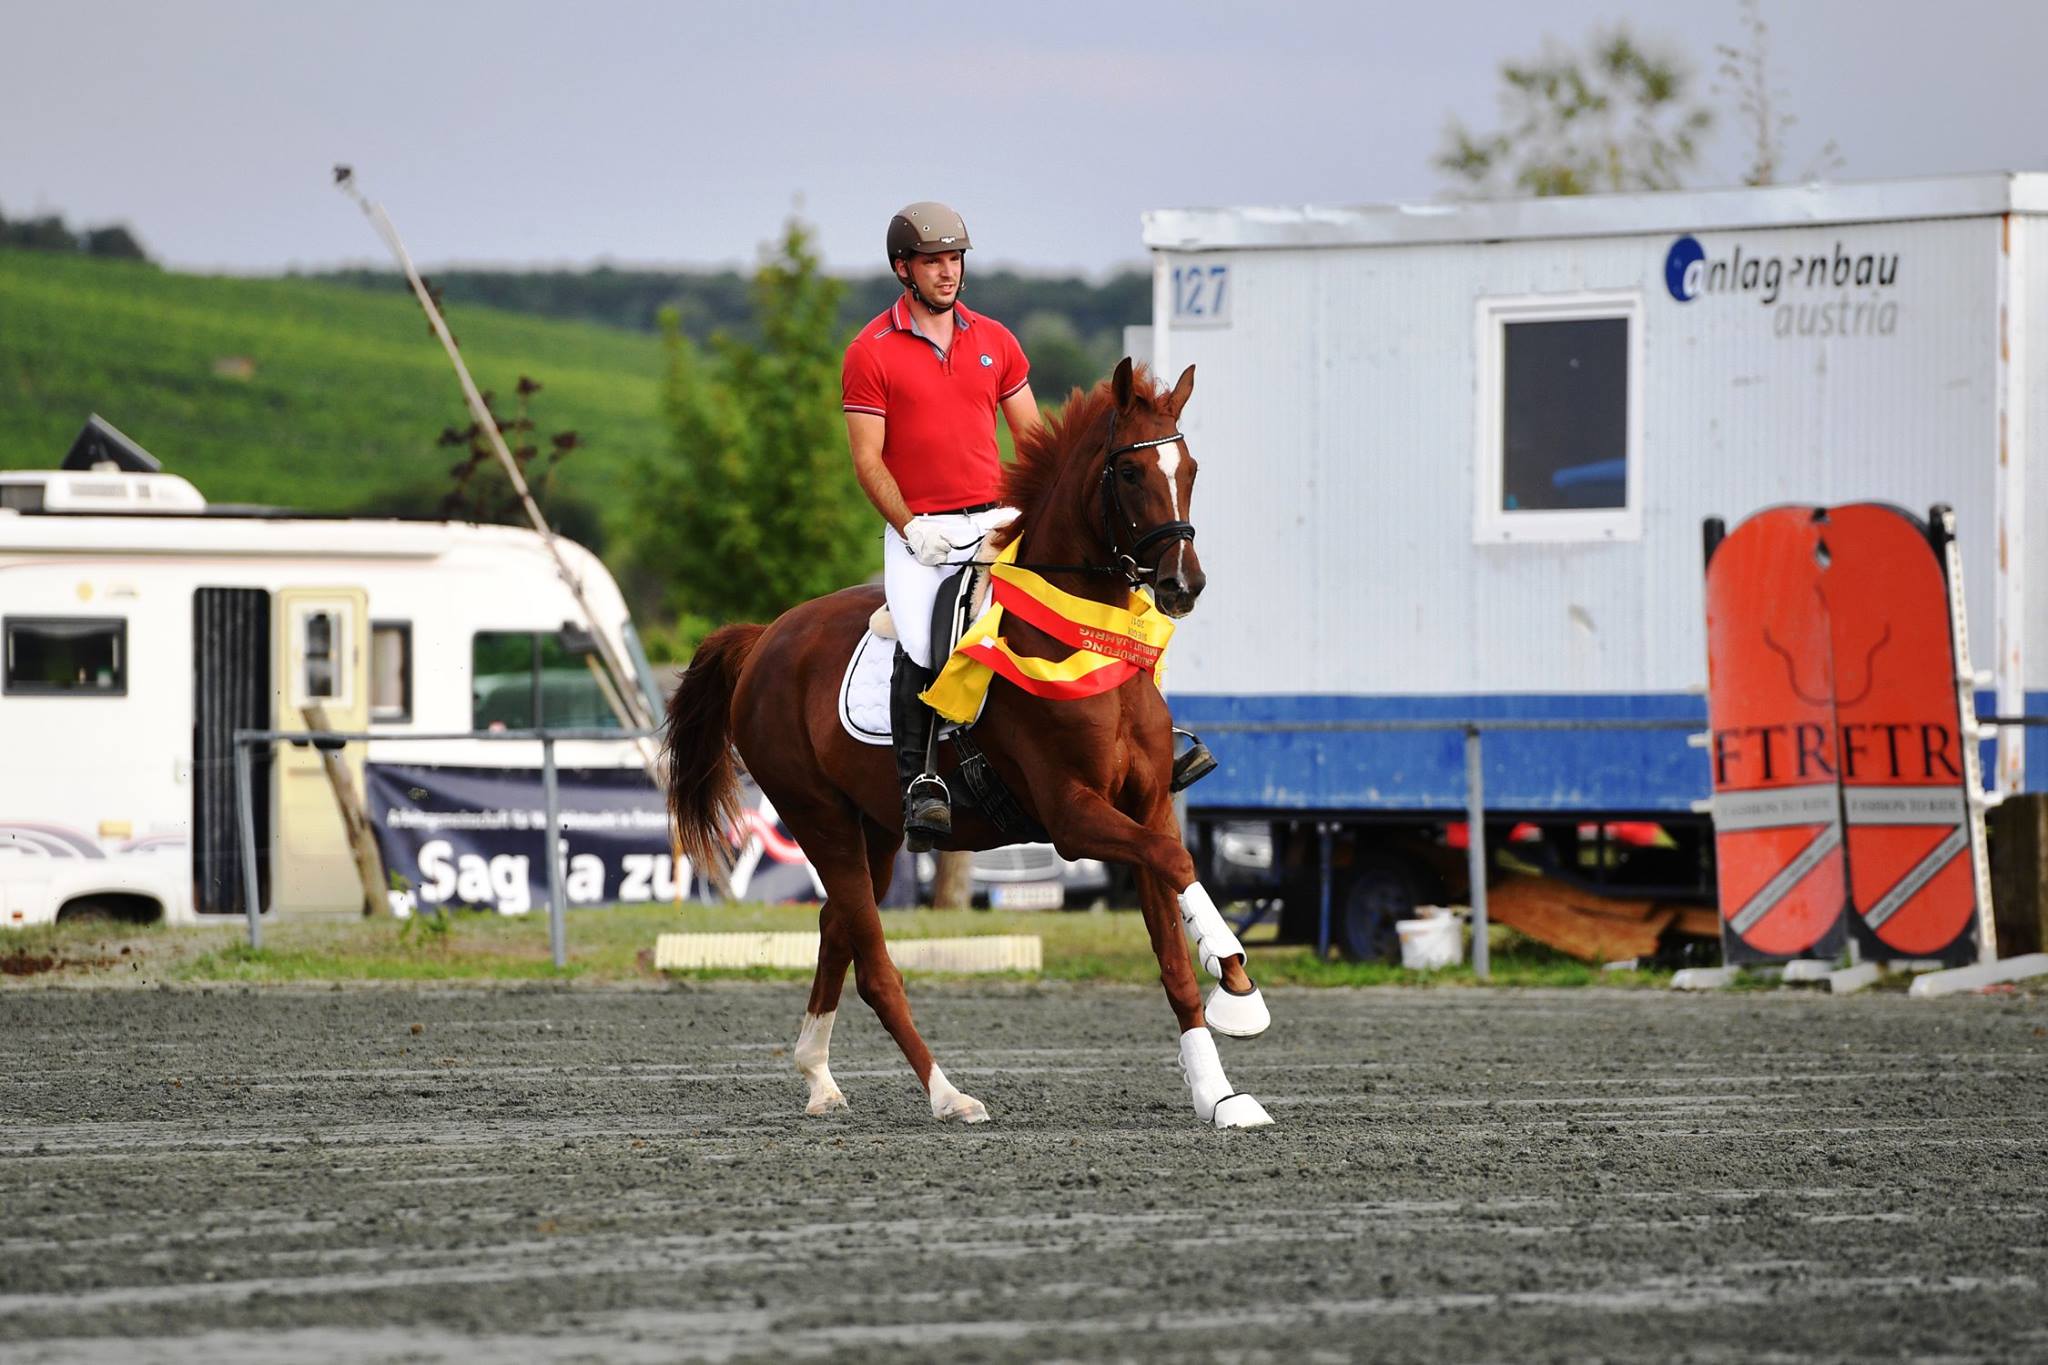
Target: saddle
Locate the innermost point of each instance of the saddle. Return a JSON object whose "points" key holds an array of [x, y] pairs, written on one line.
{"points": [[864, 691], [864, 700]]}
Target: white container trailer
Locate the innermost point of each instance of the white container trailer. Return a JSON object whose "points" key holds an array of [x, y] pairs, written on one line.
{"points": [[142, 627], [1456, 458]]}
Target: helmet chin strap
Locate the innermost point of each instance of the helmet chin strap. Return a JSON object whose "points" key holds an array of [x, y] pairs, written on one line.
{"points": [[909, 278]]}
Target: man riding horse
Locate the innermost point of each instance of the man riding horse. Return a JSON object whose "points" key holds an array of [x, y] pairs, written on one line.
{"points": [[920, 388]]}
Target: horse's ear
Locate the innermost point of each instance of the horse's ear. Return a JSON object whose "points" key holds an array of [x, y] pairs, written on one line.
{"points": [[1181, 391], [1120, 384]]}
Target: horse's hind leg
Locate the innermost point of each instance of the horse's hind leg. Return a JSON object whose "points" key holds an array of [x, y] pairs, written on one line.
{"points": [[814, 1040], [831, 835], [881, 985], [835, 955]]}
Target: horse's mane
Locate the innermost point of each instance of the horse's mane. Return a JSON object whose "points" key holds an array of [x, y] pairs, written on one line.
{"points": [[1044, 455]]}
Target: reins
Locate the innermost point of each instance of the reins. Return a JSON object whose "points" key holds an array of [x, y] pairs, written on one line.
{"points": [[1124, 563]]}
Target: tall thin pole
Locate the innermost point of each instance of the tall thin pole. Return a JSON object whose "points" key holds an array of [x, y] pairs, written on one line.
{"points": [[636, 714], [1323, 841], [1475, 851], [245, 811], [558, 929]]}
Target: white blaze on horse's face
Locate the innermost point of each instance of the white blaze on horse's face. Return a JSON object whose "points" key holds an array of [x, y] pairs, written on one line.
{"points": [[1169, 465]]}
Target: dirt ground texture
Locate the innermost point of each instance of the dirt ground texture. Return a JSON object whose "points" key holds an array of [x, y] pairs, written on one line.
{"points": [[625, 1175]]}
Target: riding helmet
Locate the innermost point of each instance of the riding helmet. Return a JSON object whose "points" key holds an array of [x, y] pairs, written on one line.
{"points": [[925, 229]]}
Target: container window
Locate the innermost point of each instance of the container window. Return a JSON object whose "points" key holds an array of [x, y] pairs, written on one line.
{"points": [[1559, 455], [391, 671], [66, 656]]}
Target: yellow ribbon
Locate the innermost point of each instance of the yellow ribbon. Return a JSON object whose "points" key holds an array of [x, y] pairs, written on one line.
{"points": [[1112, 644]]}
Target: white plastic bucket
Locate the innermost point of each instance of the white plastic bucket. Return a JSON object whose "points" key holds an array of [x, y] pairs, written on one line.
{"points": [[1431, 944]]}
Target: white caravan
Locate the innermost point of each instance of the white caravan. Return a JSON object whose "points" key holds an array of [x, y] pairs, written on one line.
{"points": [[143, 627]]}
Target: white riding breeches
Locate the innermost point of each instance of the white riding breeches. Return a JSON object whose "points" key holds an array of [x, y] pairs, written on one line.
{"points": [[912, 588]]}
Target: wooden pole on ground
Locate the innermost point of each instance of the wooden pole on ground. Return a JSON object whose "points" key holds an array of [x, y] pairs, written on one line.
{"points": [[355, 820], [953, 883]]}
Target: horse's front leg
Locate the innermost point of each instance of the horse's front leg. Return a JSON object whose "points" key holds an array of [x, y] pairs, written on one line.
{"points": [[1089, 826], [1215, 1101]]}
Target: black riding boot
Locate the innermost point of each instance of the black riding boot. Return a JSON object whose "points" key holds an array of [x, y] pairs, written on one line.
{"points": [[927, 807]]}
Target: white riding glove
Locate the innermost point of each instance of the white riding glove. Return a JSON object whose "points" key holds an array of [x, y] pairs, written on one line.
{"points": [[930, 545]]}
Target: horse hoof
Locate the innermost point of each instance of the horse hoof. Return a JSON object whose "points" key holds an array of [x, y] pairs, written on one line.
{"points": [[1237, 1016], [825, 1103], [1241, 1111], [962, 1109]]}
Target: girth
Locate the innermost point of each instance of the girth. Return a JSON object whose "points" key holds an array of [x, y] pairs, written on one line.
{"points": [[976, 780]]}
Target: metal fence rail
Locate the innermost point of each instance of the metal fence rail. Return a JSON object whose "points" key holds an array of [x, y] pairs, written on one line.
{"points": [[245, 742], [1475, 793]]}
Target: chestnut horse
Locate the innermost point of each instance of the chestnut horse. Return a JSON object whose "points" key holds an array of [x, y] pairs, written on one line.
{"points": [[1106, 485]]}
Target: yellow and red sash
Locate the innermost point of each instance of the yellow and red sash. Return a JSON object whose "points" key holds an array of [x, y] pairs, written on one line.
{"points": [[1111, 645]]}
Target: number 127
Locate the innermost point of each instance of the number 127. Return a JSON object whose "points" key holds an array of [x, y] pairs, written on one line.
{"points": [[1201, 291]]}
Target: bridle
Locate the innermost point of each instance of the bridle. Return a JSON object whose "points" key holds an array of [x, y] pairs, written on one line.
{"points": [[1117, 522]]}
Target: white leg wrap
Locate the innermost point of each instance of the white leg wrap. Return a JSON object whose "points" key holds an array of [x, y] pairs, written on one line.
{"points": [[813, 1046], [1238, 1016], [1215, 1101], [948, 1103], [1206, 927]]}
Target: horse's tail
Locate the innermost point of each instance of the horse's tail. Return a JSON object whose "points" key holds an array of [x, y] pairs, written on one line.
{"points": [[703, 785]]}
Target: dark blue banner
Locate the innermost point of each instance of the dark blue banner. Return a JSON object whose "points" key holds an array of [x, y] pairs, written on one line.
{"points": [[472, 838]]}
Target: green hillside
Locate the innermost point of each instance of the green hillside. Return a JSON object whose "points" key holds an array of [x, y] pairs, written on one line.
{"points": [[340, 400]]}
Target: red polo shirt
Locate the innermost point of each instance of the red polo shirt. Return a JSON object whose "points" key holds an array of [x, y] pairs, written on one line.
{"points": [[940, 406]]}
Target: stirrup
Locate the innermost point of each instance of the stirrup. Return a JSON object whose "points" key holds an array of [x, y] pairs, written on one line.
{"points": [[927, 813], [1191, 764]]}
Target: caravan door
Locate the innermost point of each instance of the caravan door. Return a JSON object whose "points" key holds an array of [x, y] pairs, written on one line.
{"points": [[323, 660]]}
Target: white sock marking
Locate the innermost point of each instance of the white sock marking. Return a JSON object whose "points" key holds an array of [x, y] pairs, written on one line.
{"points": [[813, 1047], [948, 1103]]}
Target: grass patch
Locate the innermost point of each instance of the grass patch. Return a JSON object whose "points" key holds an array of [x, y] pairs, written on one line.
{"points": [[342, 397], [616, 945]]}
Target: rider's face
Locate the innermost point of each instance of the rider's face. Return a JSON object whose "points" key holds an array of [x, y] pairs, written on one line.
{"points": [[937, 276]]}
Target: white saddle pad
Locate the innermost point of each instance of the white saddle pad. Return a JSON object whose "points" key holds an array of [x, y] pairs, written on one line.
{"points": [[864, 691]]}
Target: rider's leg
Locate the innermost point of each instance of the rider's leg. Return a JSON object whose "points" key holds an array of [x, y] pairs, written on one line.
{"points": [[927, 809], [911, 588]]}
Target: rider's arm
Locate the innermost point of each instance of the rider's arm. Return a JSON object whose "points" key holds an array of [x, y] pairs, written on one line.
{"points": [[864, 434], [1020, 410]]}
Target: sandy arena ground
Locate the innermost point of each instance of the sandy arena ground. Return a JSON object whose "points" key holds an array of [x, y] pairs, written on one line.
{"points": [[240, 1176]]}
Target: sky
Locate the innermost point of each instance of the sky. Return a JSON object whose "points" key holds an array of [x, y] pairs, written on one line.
{"points": [[682, 133]]}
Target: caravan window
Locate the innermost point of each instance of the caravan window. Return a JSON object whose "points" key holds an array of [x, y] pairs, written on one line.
{"points": [[521, 680], [323, 668], [1560, 419], [391, 671], [66, 656]]}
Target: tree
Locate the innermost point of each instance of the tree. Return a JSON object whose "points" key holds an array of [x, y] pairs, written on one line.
{"points": [[114, 240], [1060, 360], [51, 233], [1744, 75], [1615, 117], [754, 507]]}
